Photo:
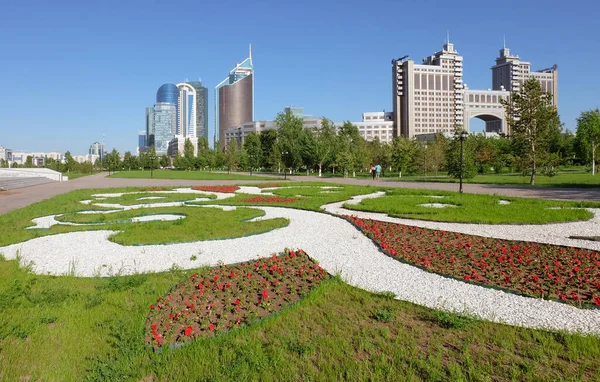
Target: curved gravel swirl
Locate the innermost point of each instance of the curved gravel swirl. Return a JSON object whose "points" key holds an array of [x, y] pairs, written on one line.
{"points": [[552, 233], [335, 243]]}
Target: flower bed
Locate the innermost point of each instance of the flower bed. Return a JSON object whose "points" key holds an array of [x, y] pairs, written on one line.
{"points": [[226, 189], [539, 270], [268, 185], [226, 297], [269, 199]]}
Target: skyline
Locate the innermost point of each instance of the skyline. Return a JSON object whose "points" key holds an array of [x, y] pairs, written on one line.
{"points": [[87, 80]]}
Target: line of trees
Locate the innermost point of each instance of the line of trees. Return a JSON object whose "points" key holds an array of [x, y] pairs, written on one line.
{"points": [[536, 144]]}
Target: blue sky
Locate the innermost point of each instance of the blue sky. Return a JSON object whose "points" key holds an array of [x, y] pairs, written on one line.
{"points": [[75, 71]]}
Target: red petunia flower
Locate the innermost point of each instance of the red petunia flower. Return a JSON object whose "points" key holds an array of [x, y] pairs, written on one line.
{"points": [[211, 327], [188, 331], [237, 302]]}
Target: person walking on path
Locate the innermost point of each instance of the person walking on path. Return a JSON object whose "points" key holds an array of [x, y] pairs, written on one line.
{"points": [[373, 171], [378, 171]]}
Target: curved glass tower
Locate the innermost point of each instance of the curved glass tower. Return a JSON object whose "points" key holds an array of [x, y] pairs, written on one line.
{"points": [[168, 93]]}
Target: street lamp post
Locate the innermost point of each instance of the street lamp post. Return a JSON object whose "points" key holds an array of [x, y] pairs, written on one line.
{"points": [[152, 159], [462, 136], [283, 154]]}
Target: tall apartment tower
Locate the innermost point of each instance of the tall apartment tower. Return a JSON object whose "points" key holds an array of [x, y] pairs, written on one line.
{"points": [[234, 98], [428, 97], [201, 108], [510, 73], [186, 109]]}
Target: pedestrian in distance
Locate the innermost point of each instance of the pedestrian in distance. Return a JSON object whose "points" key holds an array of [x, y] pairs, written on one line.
{"points": [[377, 171], [373, 171]]}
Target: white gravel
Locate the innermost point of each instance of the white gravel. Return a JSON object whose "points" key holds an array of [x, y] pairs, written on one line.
{"points": [[145, 198], [553, 233], [504, 202], [339, 248]]}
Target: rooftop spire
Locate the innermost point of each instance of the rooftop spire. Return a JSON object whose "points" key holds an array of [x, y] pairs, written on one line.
{"points": [[447, 37], [250, 52], [505, 41]]}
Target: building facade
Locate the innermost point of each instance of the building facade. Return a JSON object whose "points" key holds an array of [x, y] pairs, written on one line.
{"points": [[6, 154], [201, 109], [510, 73], [431, 98], [239, 133], [38, 159], [177, 145], [234, 98], [98, 149], [378, 125], [149, 126], [165, 125], [186, 113]]}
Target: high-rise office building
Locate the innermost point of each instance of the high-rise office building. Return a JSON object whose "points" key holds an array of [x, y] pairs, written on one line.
{"points": [[234, 98], [186, 113], [165, 116], [201, 109], [165, 124], [149, 126], [98, 149], [431, 98], [510, 73]]}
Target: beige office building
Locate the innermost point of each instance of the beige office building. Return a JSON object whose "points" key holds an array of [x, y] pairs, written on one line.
{"points": [[431, 98]]}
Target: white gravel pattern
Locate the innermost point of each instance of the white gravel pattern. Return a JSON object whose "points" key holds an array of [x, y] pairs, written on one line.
{"points": [[553, 233], [145, 198], [337, 245]]}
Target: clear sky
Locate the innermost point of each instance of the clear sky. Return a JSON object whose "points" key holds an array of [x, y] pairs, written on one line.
{"points": [[75, 71]]}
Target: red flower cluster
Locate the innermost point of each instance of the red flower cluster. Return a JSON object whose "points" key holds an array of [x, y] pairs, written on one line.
{"points": [[226, 189], [157, 189], [269, 199], [537, 270], [223, 298]]}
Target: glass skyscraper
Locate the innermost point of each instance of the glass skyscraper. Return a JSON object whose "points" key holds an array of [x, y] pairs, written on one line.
{"points": [[165, 122], [186, 117], [201, 109], [234, 98]]}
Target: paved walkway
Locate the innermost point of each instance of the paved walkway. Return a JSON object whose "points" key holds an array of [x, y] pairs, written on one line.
{"points": [[14, 199]]}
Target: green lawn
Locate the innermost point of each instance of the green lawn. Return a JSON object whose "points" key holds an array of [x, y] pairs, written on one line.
{"points": [[75, 175], [66, 328], [472, 208], [565, 179], [190, 175], [194, 227]]}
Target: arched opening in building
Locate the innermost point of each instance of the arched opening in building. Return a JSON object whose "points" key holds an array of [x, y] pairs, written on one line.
{"points": [[486, 123]]}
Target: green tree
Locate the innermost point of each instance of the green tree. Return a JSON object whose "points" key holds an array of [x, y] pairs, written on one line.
{"points": [[180, 161], [268, 140], [29, 161], [70, 162], [164, 161], [114, 162], [324, 143], [532, 120], [231, 155], [469, 165], [188, 153], [153, 161], [588, 136], [351, 147], [204, 152], [254, 151], [3, 163], [402, 154], [291, 129], [129, 161]]}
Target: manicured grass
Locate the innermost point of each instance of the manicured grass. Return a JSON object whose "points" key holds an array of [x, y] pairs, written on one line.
{"points": [[132, 199], [194, 227], [308, 196], [191, 175], [75, 175], [566, 179], [66, 328], [198, 224], [473, 208]]}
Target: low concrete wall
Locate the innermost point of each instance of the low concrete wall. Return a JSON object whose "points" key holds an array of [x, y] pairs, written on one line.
{"points": [[31, 172]]}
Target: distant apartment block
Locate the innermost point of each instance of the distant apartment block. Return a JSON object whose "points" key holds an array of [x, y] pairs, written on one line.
{"points": [[39, 159], [5, 154], [431, 97], [177, 145], [378, 125]]}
